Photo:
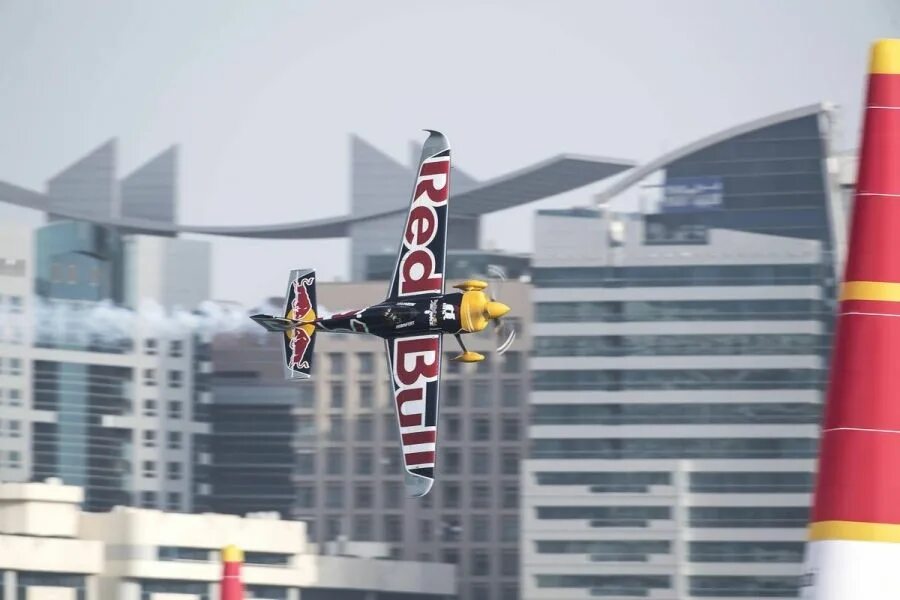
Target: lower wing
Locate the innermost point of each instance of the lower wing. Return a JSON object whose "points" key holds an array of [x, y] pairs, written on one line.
{"points": [[414, 363]]}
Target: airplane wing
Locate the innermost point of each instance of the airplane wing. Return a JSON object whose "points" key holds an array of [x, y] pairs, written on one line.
{"points": [[415, 366], [423, 246]]}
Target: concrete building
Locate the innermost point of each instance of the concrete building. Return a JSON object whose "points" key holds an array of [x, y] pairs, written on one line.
{"points": [[50, 550], [678, 368], [338, 466], [98, 388]]}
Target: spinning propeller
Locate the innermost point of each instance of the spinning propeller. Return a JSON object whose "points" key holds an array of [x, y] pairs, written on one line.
{"points": [[502, 329]]}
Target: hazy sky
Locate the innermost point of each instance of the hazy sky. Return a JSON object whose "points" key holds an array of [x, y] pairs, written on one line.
{"points": [[262, 96]]}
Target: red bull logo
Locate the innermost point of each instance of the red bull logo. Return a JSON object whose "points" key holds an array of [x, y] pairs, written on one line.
{"points": [[300, 309], [417, 262]]}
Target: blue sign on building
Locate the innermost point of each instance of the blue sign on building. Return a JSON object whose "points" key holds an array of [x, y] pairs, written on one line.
{"points": [[692, 194]]}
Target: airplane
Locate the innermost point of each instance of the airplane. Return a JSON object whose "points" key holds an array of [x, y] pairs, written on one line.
{"points": [[412, 319]]}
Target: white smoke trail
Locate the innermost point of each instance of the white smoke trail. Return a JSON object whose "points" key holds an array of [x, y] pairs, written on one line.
{"points": [[74, 323], [70, 322]]}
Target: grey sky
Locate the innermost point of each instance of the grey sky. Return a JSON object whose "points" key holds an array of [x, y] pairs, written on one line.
{"points": [[261, 96]]}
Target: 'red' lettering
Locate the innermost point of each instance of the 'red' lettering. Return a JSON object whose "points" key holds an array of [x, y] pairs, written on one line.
{"points": [[424, 279], [421, 226], [434, 172]]}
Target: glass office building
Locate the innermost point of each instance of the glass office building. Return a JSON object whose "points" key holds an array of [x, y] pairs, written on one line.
{"points": [[680, 356]]}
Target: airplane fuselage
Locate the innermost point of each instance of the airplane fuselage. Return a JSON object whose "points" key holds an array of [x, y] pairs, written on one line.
{"points": [[454, 313]]}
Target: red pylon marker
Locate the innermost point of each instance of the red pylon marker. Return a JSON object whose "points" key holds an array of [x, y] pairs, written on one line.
{"points": [[231, 586], [854, 536]]}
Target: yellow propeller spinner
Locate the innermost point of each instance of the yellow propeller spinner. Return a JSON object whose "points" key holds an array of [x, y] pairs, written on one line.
{"points": [[476, 311]]}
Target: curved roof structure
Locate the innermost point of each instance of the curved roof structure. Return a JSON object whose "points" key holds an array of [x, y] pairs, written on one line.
{"points": [[641, 172], [541, 180]]}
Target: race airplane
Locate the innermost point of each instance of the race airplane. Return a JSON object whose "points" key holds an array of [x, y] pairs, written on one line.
{"points": [[412, 319]]}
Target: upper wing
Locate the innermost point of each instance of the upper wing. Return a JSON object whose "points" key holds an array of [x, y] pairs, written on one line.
{"points": [[415, 366], [423, 247]]}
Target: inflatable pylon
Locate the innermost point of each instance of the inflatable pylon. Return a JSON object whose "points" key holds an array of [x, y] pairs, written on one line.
{"points": [[853, 550], [231, 586]]}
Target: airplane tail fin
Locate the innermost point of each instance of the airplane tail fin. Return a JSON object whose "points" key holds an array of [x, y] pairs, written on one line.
{"points": [[296, 324]]}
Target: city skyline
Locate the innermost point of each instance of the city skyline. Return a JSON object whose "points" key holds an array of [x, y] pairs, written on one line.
{"points": [[252, 153]]}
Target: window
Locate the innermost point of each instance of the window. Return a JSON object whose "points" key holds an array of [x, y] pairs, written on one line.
{"points": [[509, 528], [481, 496], [481, 564], [451, 495], [334, 495], [337, 363], [453, 427], [306, 496], [481, 429], [393, 528], [174, 409], [149, 376], [333, 527], [15, 366], [510, 495], [364, 464], [305, 463], [450, 461], [480, 529], [450, 529], [512, 362], [510, 463], [481, 462], [509, 591], [150, 346], [149, 439], [15, 397], [334, 461], [619, 448], [479, 591], [307, 396], [175, 379], [509, 563], [366, 362], [362, 495], [362, 528], [393, 496], [366, 395], [364, 428], [176, 348], [174, 440], [452, 394], [336, 430], [149, 408], [14, 429], [148, 499], [481, 394], [450, 556], [510, 431], [14, 459], [15, 304], [425, 530], [149, 469], [511, 395], [174, 469], [173, 501], [337, 395]]}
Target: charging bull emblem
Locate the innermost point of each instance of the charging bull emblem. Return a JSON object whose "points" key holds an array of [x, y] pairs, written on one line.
{"points": [[300, 308]]}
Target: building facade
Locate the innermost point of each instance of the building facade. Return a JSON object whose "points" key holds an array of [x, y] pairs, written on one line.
{"points": [[679, 362], [51, 550], [100, 386]]}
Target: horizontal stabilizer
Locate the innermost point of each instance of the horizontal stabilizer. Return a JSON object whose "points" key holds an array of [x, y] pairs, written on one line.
{"points": [[275, 324]]}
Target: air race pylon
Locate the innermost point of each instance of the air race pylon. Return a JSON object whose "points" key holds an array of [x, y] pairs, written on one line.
{"points": [[231, 586], [854, 536]]}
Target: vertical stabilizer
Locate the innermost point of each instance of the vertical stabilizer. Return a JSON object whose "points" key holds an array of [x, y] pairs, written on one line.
{"points": [[854, 535]]}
